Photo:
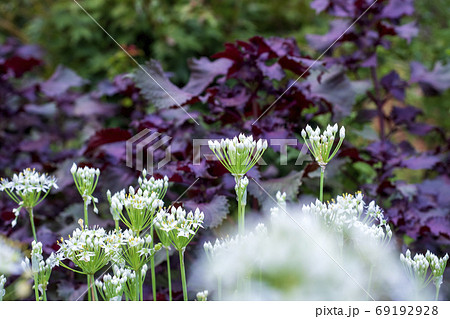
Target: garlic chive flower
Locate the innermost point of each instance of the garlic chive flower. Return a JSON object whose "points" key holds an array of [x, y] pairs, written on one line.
{"points": [[140, 207], [179, 225], [90, 249], [2, 286], [180, 228], [40, 269], [417, 268], [111, 288], [136, 250], [28, 189], [239, 154], [128, 278], [86, 180], [152, 185], [320, 145]]}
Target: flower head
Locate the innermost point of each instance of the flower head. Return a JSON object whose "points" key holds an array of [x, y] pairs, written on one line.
{"points": [[239, 154], [179, 225], [320, 145], [27, 189], [86, 180]]}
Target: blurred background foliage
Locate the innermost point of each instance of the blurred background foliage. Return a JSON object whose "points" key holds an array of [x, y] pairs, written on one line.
{"points": [[172, 30]]}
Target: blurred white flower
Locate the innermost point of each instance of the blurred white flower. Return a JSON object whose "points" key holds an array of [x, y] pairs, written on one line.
{"points": [[10, 258]]}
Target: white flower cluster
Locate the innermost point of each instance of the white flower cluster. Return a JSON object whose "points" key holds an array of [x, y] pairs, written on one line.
{"points": [[152, 185], [417, 267], [239, 154], [2, 286], [27, 189], [179, 225], [136, 250], [139, 205], [86, 180], [202, 295], [281, 201], [284, 262], [111, 287], [320, 145], [10, 258], [90, 249], [350, 211]]}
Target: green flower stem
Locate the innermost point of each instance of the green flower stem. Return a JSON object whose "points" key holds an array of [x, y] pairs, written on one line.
{"points": [[117, 225], [241, 220], [322, 171], [169, 279], [152, 267], [138, 283], [183, 274], [94, 291], [437, 292], [86, 222], [30, 211], [36, 289], [141, 284], [44, 294], [89, 288]]}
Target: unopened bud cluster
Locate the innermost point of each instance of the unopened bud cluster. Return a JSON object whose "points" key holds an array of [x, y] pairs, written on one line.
{"points": [[86, 180], [320, 145], [239, 154]]}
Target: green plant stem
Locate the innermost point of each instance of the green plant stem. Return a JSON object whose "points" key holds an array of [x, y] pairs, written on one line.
{"points": [[152, 268], [183, 275], [44, 294], [30, 211], [322, 173], [141, 285], [94, 291], [138, 282], [89, 287], [86, 222], [169, 278], [117, 225], [36, 289], [437, 292]]}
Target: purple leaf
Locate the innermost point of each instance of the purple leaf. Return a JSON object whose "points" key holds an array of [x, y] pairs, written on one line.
{"points": [[61, 81], [404, 115], [397, 8], [156, 87], [393, 84], [407, 31], [421, 162], [322, 42], [431, 82], [215, 211], [320, 5]]}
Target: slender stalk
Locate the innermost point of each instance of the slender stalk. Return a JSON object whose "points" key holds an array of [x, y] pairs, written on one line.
{"points": [[138, 280], [36, 289], [437, 292], [89, 287], [86, 222], [94, 291], [322, 171], [30, 211], [152, 267], [141, 285], [117, 225], [169, 278], [183, 275], [44, 294]]}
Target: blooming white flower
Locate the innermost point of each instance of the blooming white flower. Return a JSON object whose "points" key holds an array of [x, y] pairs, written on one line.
{"points": [[239, 154], [320, 145], [202, 295], [179, 226], [152, 185], [90, 249], [140, 207], [27, 189]]}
